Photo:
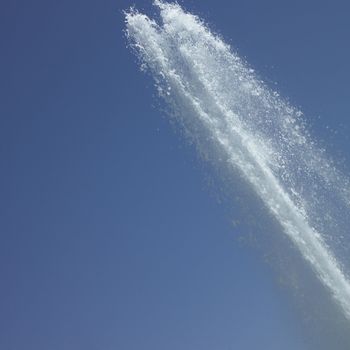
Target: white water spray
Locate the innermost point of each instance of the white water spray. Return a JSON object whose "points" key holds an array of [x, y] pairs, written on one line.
{"points": [[260, 136]]}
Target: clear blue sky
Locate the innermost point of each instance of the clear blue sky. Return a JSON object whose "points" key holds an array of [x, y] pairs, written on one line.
{"points": [[109, 236]]}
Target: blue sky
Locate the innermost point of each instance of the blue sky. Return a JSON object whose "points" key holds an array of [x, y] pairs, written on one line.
{"points": [[110, 237]]}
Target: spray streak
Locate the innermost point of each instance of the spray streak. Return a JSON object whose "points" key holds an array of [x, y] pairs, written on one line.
{"points": [[258, 134]]}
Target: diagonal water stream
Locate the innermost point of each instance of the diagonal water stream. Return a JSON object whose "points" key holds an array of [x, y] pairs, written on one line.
{"points": [[260, 135]]}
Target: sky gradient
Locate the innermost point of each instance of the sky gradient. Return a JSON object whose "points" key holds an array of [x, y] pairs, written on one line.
{"points": [[110, 236]]}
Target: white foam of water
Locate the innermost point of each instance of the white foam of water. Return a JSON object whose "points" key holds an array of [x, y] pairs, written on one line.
{"points": [[258, 133]]}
